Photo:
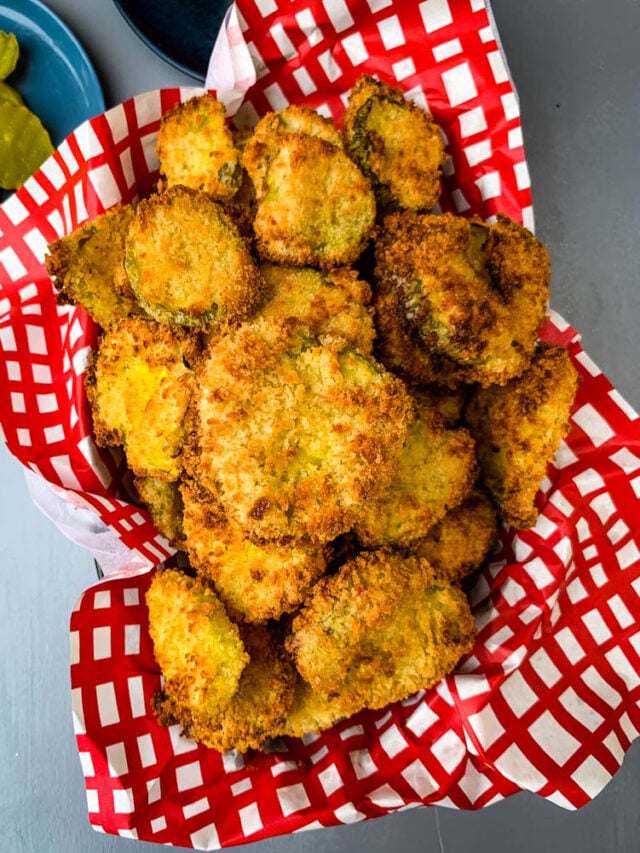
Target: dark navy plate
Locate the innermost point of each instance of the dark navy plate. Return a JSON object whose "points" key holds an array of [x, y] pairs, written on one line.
{"points": [[182, 32], [54, 74]]}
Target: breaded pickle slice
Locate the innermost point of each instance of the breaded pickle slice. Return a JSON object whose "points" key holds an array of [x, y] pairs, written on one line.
{"points": [[459, 543], [9, 53], [139, 386], [314, 206], [197, 647], [311, 713], [8, 93], [333, 303], [519, 427], [436, 471], [474, 294], [187, 263], [256, 581], [164, 501], [196, 148], [260, 705], [379, 630], [85, 266], [296, 435], [396, 144]]}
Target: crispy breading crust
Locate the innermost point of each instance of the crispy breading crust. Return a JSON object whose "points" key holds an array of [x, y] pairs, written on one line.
{"points": [[437, 469], [259, 708], [378, 123], [518, 428], [332, 303], [139, 386], [164, 503], [379, 630], [196, 148], [296, 435], [459, 543], [474, 294], [197, 647], [314, 206], [311, 713], [256, 581], [85, 267], [187, 263]]}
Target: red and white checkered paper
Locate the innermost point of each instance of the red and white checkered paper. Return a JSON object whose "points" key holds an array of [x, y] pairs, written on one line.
{"points": [[549, 700]]}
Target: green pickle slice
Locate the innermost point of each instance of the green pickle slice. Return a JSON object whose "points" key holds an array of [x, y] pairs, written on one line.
{"points": [[24, 144], [9, 53], [8, 93]]}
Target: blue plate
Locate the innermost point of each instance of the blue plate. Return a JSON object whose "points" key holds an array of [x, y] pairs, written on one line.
{"points": [[54, 74], [182, 32]]}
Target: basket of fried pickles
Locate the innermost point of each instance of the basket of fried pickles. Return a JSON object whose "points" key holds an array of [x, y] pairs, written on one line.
{"points": [[330, 397]]}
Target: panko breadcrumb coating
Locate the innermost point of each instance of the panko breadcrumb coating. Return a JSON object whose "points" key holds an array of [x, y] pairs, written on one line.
{"points": [[256, 581], [198, 650], [187, 263], [379, 630], [396, 144], [332, 303], [436, 471], [85, 266], [164, 502], [311, 713], [314, 206], [459, 543], [196, 148], [295, 436], [139, 386], [518, 428], [259, 708], [475, 294]]}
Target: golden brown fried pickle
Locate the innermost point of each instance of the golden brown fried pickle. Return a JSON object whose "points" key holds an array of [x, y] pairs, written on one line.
{"points": [[332, 303], [164, 502], [459, 543], [187, 263], [518, 428], [379, 630], [311, 713], [436, 471], [256, 581], [139, 387], [296, 435], [396, 144], [259, 707], [85, 266], [314, 206], [196, 148], [474, 294], [197, 647]]}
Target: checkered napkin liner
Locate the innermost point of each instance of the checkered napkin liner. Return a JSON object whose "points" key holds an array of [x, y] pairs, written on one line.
{"points": [[548, 700]]}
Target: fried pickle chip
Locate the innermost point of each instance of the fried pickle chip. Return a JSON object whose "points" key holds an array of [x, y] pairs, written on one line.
{"points": [[256, 581], [196, 148], [85, 265], [518, 428], [437, 469], [332, 303], [259, 707], [187, 263], [197, 647], [396, 144], [296, 435], [474, 294], [164, 502], [139, 386], [379, 630], [459, 543], [314, 206], [311, 713]]}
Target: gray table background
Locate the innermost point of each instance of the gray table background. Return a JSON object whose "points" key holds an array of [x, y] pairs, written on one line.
{"points": [[577, 70]]}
